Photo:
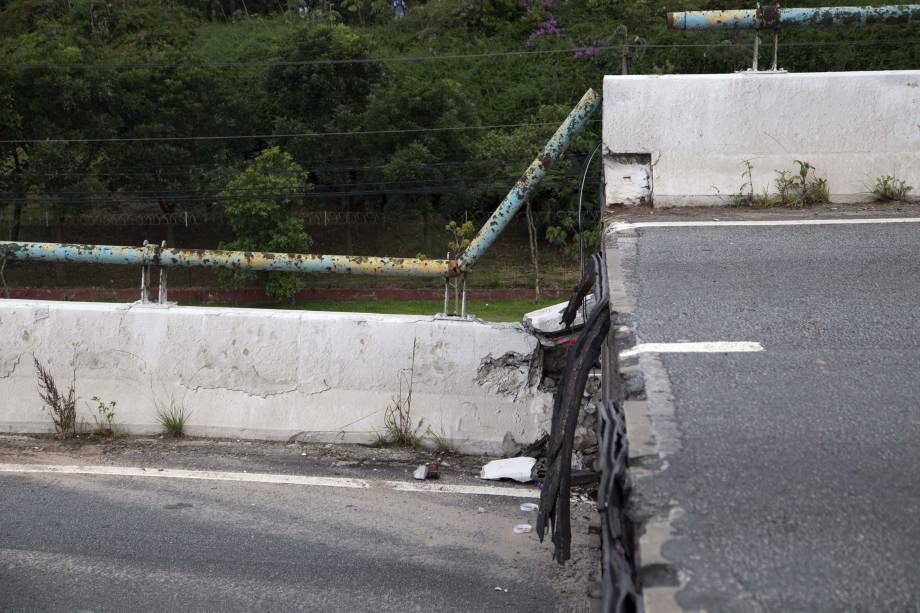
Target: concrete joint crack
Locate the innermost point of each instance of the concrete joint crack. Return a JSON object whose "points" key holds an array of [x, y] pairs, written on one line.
{"points": [[13, 367]]}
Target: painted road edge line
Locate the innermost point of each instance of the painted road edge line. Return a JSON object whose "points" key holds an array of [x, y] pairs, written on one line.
{"points": [[626, 226], [304, 480], [692, 347]]}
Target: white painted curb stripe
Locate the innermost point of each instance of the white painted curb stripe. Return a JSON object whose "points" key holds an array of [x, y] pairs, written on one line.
{"points": [[702, 347], [484, 490], [625, 226], [211, 475]]}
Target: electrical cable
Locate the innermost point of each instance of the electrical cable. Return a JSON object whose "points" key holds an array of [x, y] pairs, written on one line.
{"points": [[588, 51], [151, 139]]}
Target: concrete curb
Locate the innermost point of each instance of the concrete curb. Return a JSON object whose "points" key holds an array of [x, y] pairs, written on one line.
{"points": [[650, 431]]}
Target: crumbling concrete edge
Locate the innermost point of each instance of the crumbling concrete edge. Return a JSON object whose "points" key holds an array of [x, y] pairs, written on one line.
{"points": [[650, 428]]}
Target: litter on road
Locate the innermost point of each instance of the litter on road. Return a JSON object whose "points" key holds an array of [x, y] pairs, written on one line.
{"points": [[426, 471], [518, 469]]}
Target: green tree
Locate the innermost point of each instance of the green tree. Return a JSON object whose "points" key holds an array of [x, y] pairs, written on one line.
{"points": [[312, 94], [50, 100], [426, 165], [259, 205], [365, 12]]}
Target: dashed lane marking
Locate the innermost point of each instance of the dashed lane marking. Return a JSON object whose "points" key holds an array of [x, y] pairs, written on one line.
{"points": [[692, 347]]}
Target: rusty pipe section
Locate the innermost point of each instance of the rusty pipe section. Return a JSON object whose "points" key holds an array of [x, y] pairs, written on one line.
{"points": [[527, 184], [773, 16], [154, 255]]}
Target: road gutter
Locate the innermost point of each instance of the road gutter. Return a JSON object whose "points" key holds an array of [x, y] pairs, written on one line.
{"points": [[650, 428]]}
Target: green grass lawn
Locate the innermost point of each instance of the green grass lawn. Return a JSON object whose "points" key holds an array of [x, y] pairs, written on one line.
{"points": [[492, 310]]}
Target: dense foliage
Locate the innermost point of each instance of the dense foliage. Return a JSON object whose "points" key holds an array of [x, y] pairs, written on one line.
{"points": [[85, 85]]}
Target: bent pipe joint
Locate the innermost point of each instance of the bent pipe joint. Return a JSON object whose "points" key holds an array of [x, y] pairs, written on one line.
{"points": [[527, 184]]}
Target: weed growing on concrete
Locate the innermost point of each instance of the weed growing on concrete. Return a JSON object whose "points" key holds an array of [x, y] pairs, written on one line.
{"points": [[442, 445], [745, 195], [398, 427], [763, 200], [104, 418], [801, 189], [890, 188], [793, 190], [785, 188], [173, 419], [63, 407]]}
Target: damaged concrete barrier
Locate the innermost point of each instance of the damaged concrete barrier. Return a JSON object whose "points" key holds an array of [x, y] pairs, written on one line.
{"points": [[273, 374]]}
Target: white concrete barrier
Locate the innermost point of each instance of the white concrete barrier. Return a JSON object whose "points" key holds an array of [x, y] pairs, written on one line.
{"points": [[271, 374], [680, 140]]}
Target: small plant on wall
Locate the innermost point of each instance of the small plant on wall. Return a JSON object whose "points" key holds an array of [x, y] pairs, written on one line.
{"points": [[173, 419], [793, 189], [797, 190], [61, 405], [399, 427], [889, 188], [746, 195], [105, 418]]}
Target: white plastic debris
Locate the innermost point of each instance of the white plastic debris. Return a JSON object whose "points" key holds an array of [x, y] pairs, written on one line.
{"points": [[549, 320], [522, 528], [527, 507], [500, 589], [509, 468], [421, 473], [480, 510]]}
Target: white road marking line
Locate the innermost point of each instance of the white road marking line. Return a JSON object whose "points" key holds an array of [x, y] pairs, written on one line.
{"points": [[306, 480], [484, 490], [623, 226], [688, 347]]}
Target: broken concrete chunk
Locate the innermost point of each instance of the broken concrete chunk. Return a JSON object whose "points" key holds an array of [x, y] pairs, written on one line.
{"points": [[509, 468], [426, 471]]}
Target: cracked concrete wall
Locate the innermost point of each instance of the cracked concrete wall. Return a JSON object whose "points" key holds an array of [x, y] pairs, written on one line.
{"points": [[698, 130], [270, 374]]}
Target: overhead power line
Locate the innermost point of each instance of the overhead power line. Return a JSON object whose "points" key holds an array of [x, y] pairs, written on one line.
{"points": [[153, 139], [169, 170], [207, 192], [323, 62], [588, 50], [112, 198]]}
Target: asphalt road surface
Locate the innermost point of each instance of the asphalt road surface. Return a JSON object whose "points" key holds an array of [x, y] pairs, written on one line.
{"points": [[791, 475], [74, 542]]}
